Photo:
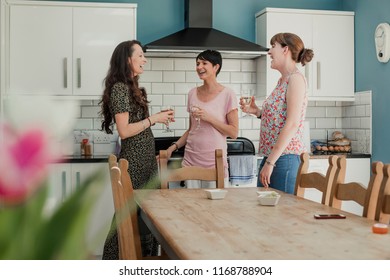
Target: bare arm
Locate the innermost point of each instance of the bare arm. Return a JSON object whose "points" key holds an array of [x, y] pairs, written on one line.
{"points": [[230, 129], [126, 129]]}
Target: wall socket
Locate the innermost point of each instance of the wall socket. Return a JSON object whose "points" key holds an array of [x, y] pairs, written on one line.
{"points": [[101, 138], [78, 136]]}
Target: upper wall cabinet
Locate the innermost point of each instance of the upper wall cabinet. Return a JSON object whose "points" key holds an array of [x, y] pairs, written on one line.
{"points": [[330, 75], [64, 48]]}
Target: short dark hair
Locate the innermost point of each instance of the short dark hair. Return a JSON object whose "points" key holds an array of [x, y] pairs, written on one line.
{"points": [[212, 56]]}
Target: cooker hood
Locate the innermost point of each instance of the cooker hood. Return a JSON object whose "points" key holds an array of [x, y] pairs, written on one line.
{"points": [[198, 35]]}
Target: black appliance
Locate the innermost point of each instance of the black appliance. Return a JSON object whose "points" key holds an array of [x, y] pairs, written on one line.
{"points": [[198, 35], [238, 146]]}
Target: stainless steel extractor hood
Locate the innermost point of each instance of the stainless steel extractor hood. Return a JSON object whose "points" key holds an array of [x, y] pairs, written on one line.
{"points": [[198, 35]]}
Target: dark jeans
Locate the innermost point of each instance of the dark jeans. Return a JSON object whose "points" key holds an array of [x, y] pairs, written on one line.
{"points": [[284, 174]]}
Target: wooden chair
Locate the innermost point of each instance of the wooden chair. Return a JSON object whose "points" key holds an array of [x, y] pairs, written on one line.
{"points": [[382, 213], [126, 212], [191, 172], [366, 197], [315, 179]]}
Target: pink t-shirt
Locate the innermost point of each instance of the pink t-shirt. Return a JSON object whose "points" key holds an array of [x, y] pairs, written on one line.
{"points": [[202, 142]]}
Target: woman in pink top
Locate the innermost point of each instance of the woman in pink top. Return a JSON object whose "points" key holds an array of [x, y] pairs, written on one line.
{"points": [[213, 117], [282, 114]]}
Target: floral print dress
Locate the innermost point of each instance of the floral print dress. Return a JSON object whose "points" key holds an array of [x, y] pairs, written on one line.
{"points": [[273, 119]]}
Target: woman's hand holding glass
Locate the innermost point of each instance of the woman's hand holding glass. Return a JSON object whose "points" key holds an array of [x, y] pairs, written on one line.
{"points": [[168, 117], [194, 111], [246, 101]]}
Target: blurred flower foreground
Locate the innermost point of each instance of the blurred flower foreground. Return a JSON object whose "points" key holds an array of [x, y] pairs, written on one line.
{"points": [[32, 131]]}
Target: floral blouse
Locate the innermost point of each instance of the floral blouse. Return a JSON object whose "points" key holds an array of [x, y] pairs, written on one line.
{"points": [[273, 119]]}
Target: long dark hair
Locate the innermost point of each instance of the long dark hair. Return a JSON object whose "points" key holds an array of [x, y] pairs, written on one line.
{"points": [[120, 71]]}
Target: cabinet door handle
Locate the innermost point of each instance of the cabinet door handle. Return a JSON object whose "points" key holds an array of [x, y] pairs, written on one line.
{"points": [[318, 75], [79, 72], [307, 75], [65, 69], [63, 185], [78, 180]]}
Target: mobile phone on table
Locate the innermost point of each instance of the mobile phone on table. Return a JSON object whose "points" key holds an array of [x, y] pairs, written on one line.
{"points": [[329, 216]]}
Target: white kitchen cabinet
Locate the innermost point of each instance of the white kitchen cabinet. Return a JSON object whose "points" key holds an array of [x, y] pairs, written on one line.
{"points": [[65, 178], [330, 75], [64, 48], [358, 170]]}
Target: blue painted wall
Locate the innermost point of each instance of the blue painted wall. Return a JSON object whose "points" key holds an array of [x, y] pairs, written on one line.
{"points": [[370, 74], [158, 18]]}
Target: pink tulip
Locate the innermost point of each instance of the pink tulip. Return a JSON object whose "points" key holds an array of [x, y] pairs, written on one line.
{"points": [[24, 159]]}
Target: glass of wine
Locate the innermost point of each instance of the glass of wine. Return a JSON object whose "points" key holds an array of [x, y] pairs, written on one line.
{"points": [[166, 109], [195, 108], [246, 97]]}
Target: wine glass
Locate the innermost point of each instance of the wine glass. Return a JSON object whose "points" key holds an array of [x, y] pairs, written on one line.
{"points": [[195, 108], [166, 109], [246, 97]]}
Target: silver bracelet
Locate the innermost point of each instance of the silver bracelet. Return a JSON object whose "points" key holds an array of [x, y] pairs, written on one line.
{"points": [[270, 163], [177, 147]]}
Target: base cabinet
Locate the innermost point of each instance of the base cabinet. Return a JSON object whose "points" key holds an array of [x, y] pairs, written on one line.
{"points": [[358, 170], [65, 178]]}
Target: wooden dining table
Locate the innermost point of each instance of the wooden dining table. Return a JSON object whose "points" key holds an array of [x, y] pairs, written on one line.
{"points": [[191, 227]]}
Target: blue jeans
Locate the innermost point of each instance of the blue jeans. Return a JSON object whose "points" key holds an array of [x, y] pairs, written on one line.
{"points": [[284, 174]]}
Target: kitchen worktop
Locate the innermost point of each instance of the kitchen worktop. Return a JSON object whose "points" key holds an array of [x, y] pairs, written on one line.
{"points": [[104, 158], [347, 155], [84, 159]]}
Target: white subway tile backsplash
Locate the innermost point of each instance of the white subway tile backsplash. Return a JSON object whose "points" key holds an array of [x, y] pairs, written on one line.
{"points": [[169, 99], [174, 77], [252, 134], [327, 123], [90, 111], [224, 77], [168, 81], [349, 111], [360, 110], [155, 99], [162, 64], [335, 112], [181, 111], [192, 77], [184, 88], [231, 65], [151, 76], [365, 122], [248, 65], [186, 64], [315, 112], [245, 123], [241, 77], [162, 88], [83, 124], [355, 123], [147, 86]]}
